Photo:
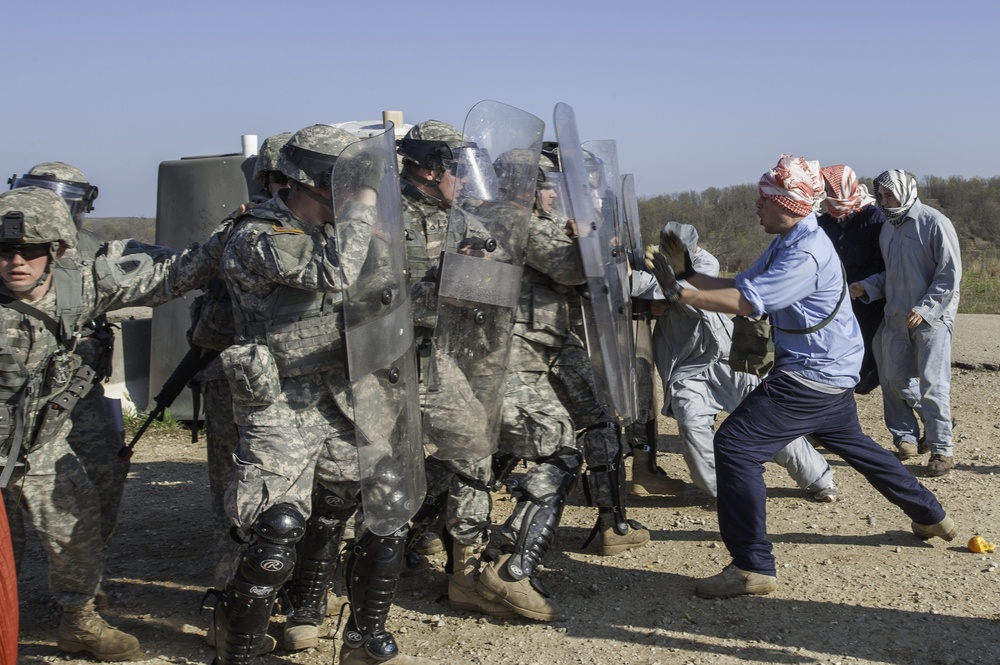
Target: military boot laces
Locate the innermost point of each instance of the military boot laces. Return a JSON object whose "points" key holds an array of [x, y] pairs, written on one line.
{"points": [[83, 629]]}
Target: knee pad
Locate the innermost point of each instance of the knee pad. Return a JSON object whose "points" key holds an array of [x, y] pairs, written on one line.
{"points": [[270, 557]]}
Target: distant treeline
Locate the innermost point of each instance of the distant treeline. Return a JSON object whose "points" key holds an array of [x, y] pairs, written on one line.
{"points": [[120, 228], [728, 227]]}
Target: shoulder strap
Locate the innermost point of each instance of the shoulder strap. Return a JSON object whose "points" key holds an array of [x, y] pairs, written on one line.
{"points": [[824, 322], [24, 308]]}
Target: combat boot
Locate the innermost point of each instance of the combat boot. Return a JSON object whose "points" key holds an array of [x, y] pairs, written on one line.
{"points": [[649, 479], [83, 629], [521, 595], [615, 538], [463, 593]]}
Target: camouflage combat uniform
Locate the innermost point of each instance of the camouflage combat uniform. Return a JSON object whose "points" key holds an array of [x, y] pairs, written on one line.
{"points": [[282, 272], [459, 486], [52, 485]]}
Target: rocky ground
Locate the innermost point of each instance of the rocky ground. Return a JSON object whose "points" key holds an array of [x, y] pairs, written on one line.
{"points": [[856, 586]]}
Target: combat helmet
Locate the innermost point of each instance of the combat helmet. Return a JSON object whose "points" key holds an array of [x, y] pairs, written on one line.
{"points": [[65, 180], [266, 165], [309, 155], [430, 144], [36, 216]]}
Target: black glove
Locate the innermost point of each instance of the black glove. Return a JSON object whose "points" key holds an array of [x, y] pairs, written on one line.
{"points": [[677, 254], [664, 274]]}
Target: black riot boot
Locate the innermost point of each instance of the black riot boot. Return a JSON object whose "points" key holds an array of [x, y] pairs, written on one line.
{"points": [[373, 568], [243, 613]]}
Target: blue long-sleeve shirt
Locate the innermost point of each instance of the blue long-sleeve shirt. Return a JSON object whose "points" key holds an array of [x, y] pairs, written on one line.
{"points": [[800, 288]]}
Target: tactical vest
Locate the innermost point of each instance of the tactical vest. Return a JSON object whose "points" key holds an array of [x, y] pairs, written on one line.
{"points": [[301, 329], [422, 267], [37, 394]]}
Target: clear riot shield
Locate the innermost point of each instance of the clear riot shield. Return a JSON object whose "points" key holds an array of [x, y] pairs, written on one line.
{"points": [[378, 332], [645, 408], [480, 280], [593, 190]]}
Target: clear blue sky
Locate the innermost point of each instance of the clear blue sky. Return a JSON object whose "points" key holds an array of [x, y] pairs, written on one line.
{"points": [[697, 94]]}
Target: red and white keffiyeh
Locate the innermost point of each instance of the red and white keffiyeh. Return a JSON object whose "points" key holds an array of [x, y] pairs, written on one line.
{"points": [[795, 184], [849, 195]]}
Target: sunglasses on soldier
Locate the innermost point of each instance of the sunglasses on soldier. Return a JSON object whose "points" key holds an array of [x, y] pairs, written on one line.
{"points": [[27, 252]]}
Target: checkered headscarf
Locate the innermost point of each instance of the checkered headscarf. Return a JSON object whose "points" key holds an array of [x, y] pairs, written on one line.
{"points": [[903, 186], [849, 195], [794, 184]]}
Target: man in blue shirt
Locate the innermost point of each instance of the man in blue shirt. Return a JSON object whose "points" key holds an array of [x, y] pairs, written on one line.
{"points": [[799, 283]]}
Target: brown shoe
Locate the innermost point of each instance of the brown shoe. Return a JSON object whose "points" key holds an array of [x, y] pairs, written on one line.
{"points": [[83, 629], [906, 450], [520, 595], [650, 481], [735, 582], [463, 587], [939, 465], [612, 542], [945, 529]]}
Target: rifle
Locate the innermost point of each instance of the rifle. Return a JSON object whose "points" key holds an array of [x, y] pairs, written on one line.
{"points": [[193, 362]]}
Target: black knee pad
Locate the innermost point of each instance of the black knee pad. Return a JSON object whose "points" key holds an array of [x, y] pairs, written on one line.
{"points": [[331, 506]]}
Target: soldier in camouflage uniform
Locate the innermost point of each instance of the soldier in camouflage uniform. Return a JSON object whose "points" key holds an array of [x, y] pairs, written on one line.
{"points": [[212, 328], [297, 458], [98, 432], [456, 487], [549, 397], [47, 296]]}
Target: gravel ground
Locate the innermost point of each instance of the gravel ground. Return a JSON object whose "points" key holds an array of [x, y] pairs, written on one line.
{"points": [[855, 586]]}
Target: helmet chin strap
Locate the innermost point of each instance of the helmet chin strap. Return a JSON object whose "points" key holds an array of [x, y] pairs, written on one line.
{"points": [[299, 187], [435, 183]]}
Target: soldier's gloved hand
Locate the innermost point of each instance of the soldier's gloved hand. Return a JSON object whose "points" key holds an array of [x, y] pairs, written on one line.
{"points": [[677, 254], [664, 274]]}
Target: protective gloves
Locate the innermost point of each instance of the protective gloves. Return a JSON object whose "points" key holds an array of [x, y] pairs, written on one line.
{"points": [[677, 255], [664, 274]]}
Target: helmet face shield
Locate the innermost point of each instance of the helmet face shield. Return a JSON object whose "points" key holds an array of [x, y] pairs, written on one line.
{"points": [[425, 154], [472, 166], [79, 196], [316, 165]]}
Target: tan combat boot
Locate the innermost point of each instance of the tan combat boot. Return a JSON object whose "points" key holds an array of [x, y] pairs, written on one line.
{"points": [[496, 583], [649, 480], [83, 629], [611, 542], [463, 593]]}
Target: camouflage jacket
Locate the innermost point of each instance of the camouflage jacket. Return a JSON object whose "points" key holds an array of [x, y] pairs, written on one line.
{"points": [[37, 360], [552, 271], [425, 223], [286, 279]]}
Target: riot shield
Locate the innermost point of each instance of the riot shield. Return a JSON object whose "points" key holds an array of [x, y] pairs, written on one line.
{"points": [[645, 408], [480, 280], [593, 192], [378, 332]]}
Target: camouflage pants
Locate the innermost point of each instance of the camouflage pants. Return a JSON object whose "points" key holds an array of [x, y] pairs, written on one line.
{"points": [[285, 447], [536, 426], [221, 438], [452, 417], [601, 444], [468, 504], [96, 440], [55, 492]]}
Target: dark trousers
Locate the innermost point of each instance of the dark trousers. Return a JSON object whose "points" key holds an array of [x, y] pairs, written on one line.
{"points": [[777, 411]]}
